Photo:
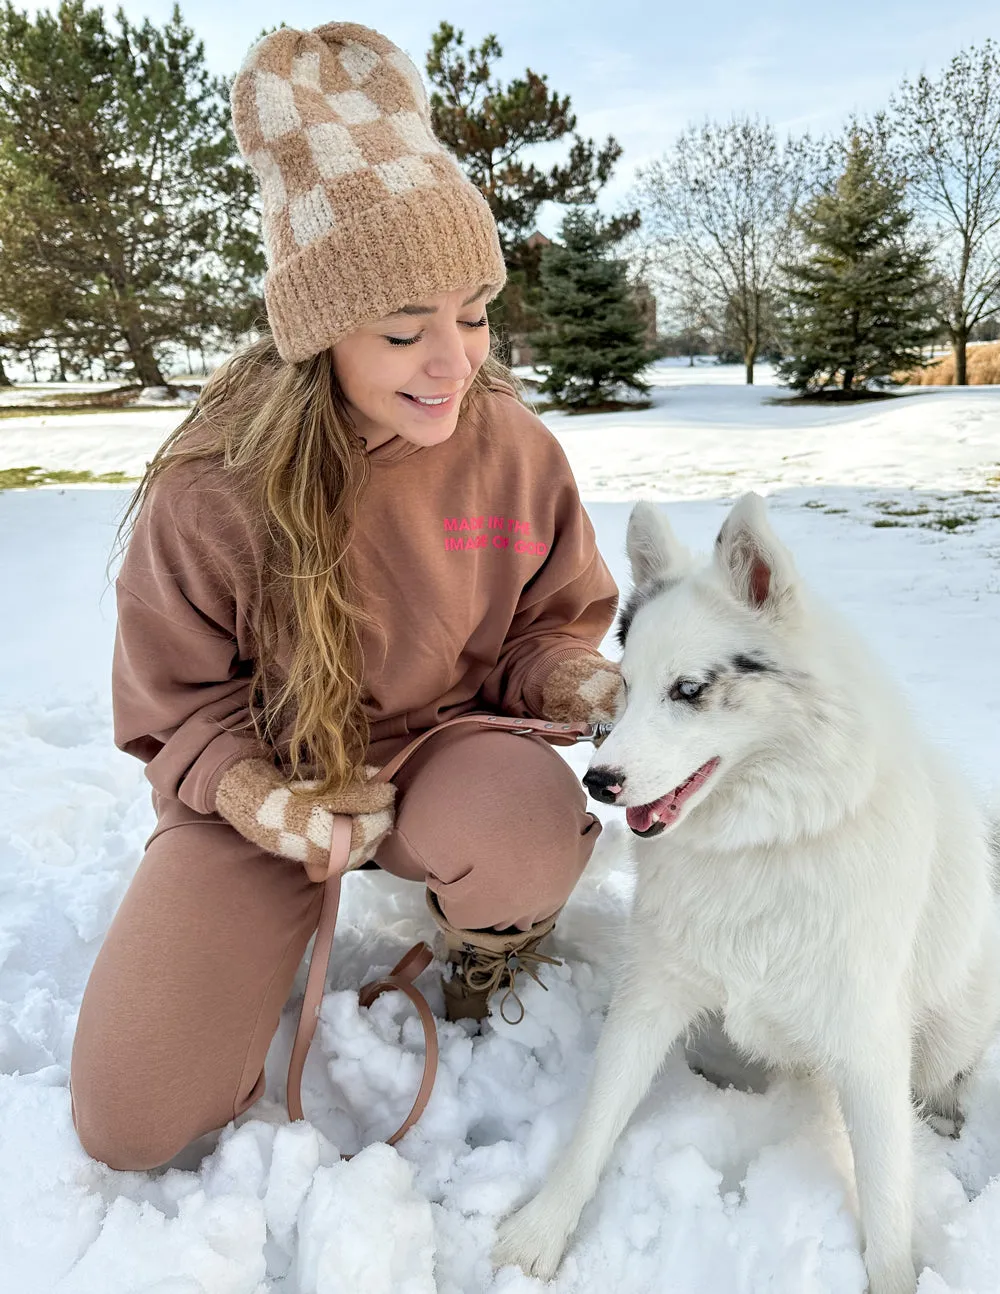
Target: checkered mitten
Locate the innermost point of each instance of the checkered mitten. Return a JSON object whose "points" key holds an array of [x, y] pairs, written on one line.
{"points": [[254, 798], [582, 689]]}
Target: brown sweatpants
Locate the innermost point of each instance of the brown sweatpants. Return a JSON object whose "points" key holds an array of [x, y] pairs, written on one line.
{"points": [[187, 989]]}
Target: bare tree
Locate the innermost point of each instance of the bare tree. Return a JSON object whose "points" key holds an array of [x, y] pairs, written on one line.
{"points": [[693, 326], [718, 209], [948, 131]]}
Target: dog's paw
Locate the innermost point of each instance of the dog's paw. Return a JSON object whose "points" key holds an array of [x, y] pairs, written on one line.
{"points": [[945, 1126], [531, 1239]]}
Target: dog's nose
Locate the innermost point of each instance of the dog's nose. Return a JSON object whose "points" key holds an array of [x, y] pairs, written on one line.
{"points": [[604, 784]]}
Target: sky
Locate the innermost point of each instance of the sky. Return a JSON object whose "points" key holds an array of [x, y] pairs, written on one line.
{"points": [[641, 71]]}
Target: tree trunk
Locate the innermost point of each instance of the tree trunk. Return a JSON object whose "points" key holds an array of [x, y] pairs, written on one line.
{"points": [[848, 382], [147, 371], [958, 343], [62, 364], [751, 341], [129, 319], [4, 379]]}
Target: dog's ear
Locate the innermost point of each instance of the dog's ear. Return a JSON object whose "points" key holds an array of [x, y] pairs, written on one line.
{"points": [[757, 566], [654, 551]]}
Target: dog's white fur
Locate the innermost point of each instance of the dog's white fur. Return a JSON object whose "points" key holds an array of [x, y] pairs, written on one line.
{"points": [[829, 890]]}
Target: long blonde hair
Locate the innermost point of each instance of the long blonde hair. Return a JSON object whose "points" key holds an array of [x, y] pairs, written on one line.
{"points": [[284, 432]]}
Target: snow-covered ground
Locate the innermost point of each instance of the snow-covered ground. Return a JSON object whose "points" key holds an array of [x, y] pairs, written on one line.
{"points": [[891, 508]]}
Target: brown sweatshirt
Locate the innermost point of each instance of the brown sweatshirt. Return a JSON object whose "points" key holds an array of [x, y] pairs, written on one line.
{"points": [[475, 558]]}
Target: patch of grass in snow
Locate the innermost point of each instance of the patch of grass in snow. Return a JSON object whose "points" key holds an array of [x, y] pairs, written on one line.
{"points": [[820, 506], [892, 510], [67, 411], [25, 478], [898, 514], [951, 521], [119, 399]]}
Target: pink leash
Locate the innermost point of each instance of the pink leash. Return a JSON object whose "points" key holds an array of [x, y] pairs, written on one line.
{"points": [[419, 957]]}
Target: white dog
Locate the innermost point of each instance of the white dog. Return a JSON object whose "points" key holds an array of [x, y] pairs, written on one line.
{"points": [[807, 866]]}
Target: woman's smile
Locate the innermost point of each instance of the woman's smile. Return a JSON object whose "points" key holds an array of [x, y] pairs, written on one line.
{"points": [[430, 406]]}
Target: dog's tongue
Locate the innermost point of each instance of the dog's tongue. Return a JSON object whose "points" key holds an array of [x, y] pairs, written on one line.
{"points": [[667, 808], [640, 818]]}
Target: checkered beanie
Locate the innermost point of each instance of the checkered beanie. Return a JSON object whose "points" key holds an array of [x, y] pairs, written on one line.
{"points": [[364, 211]]}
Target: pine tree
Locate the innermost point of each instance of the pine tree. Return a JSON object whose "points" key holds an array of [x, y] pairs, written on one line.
{"points": [[488, 126], [592, 335], [125, 194], [860, 299]]}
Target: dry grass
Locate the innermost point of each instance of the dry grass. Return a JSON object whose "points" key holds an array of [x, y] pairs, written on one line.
{"points": [[26, 478], [982, 368]]}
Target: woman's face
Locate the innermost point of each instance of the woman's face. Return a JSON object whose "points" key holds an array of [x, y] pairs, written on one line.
{"points": [[405, 375]]}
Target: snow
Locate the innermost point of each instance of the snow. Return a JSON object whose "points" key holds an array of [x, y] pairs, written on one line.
{"points": [[29, 392], [711, 1190], [96, 442]]}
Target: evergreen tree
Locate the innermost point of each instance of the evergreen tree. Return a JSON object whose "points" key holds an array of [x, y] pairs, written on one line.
{"points": [[38, 300], [860, 299], [592, 335], [126, 193], [488, 126]]}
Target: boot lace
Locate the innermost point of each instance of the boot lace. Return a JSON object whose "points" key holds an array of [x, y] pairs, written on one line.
{"points": [[489, 972]]}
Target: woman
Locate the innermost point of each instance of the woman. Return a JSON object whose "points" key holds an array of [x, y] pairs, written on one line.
{"points": [[358, 534]]}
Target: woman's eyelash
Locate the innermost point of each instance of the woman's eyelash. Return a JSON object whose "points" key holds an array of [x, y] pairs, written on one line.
{"points": [[408, 341]]}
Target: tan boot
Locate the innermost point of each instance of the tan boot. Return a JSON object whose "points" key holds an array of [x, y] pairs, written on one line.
{"points": [[485, 961]]}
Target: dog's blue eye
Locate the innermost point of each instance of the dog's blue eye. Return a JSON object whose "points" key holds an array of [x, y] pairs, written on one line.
{"points": [[686, 689]]}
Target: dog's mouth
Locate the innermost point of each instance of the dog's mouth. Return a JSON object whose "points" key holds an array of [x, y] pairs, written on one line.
{"points": [[650, 819]]}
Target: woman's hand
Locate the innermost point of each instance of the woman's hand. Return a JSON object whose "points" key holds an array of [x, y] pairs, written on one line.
{"points": [[582, 689], [254, 798]]}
